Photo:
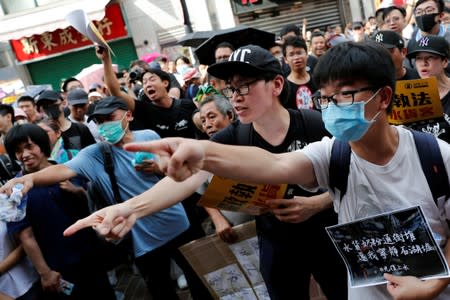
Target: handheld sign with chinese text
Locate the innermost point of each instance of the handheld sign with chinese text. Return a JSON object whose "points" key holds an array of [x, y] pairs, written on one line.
{"points": [[227, 194], [415, 100]]}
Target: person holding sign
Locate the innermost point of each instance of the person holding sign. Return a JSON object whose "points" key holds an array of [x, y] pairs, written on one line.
{"points": [[257, 90], [431, 54], [357, 82]]}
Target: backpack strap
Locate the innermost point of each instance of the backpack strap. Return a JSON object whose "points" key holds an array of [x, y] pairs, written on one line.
{"points": [[430, 159], [432, 164], [244, 134], [109, 169], [339, 166]]}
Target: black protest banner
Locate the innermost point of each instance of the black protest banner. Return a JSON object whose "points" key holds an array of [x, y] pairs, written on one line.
{"points": [[399, 242]]}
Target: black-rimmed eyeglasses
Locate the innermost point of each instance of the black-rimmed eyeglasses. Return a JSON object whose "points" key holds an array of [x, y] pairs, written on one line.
{"points": [[342, 98], [242, 90]]}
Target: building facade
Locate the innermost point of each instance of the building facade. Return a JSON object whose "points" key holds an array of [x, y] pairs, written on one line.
{"points": [[38, 47]]}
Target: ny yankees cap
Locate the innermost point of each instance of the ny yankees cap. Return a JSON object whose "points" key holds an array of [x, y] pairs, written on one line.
{"points": [[431, 44], [248, 60], [389, 39]]}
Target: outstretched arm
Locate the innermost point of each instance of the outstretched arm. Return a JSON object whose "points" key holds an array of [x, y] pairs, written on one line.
{"points": [[114, 221], [181, 158], [46, 176]]}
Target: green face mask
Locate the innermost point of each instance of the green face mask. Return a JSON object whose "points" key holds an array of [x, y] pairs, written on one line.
{"points": [[112, 131]]}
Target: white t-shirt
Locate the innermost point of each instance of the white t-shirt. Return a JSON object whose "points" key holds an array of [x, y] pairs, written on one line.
{"points": [[18, 280], [374, 189]]}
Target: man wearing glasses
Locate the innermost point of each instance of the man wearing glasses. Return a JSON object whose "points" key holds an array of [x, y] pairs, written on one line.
{"points": [[428, 14], [291, 236], [357, 82]]}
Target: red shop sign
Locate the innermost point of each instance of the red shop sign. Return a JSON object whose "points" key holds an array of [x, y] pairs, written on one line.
{"points": [[111, 27]]}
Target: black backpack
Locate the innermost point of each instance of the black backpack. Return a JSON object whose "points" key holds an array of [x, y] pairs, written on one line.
{"points": [[430, 158], [113, 254]]}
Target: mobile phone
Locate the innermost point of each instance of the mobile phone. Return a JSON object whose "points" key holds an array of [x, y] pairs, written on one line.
{"points": [[66, 286]]}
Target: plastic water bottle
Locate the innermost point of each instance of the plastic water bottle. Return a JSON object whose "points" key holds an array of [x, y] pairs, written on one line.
{"points": [[139, 157], [12, 208]]}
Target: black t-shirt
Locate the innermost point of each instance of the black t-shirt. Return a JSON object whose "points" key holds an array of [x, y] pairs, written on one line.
{"points": [[306, 126], [439, 127], [410, 74], [167, 122], [77, 137], [301, 95]]}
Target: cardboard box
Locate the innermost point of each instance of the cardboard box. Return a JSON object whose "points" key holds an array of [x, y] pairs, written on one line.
{"points": [[230, 271]]}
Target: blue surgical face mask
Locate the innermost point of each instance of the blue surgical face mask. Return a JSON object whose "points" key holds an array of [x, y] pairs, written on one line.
{"points": [[112, 131], [347, 122]]}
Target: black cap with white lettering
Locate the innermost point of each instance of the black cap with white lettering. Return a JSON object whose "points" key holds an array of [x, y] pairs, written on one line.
{"points": [[389, 39], [432, 44], [249, 61]]}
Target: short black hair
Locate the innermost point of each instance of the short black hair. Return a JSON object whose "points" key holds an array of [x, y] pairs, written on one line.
{"points": [[66, 82], [164, 76], [224, 45], [183, 58], [440, 4], [351, 61], [7, 109], [295, 42], [26, 98], [19, 134], [317, 33], [290, 28], [388, 10]]}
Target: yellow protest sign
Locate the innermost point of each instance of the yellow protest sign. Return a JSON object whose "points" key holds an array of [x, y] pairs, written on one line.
{"points": [[415, 100], [227, 194]]}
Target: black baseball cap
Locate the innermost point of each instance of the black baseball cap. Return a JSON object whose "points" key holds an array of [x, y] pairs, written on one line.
{"points": [[108, 105], [248, 60], [389, 39], [432, 44], [49, 95], [77, 96]]}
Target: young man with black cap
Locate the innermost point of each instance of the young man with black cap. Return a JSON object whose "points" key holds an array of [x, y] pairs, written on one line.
{"points": [[76, 136], [157, 237], [291, 236], [78, 104], [395, 44], [431, 54]]}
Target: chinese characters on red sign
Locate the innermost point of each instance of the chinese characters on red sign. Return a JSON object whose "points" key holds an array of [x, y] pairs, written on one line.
{"points": [[111, 27]]}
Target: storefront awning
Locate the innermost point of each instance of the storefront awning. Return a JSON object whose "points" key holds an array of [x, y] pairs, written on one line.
{"points": [[40, 20]]}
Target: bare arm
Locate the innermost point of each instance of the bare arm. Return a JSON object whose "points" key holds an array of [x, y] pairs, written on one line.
{"points": [[12, 259], [223, 228], [111, 80], [181, 158], [412, 288], [46, 176], [113, 222], [299, 209], [49, 278]]}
